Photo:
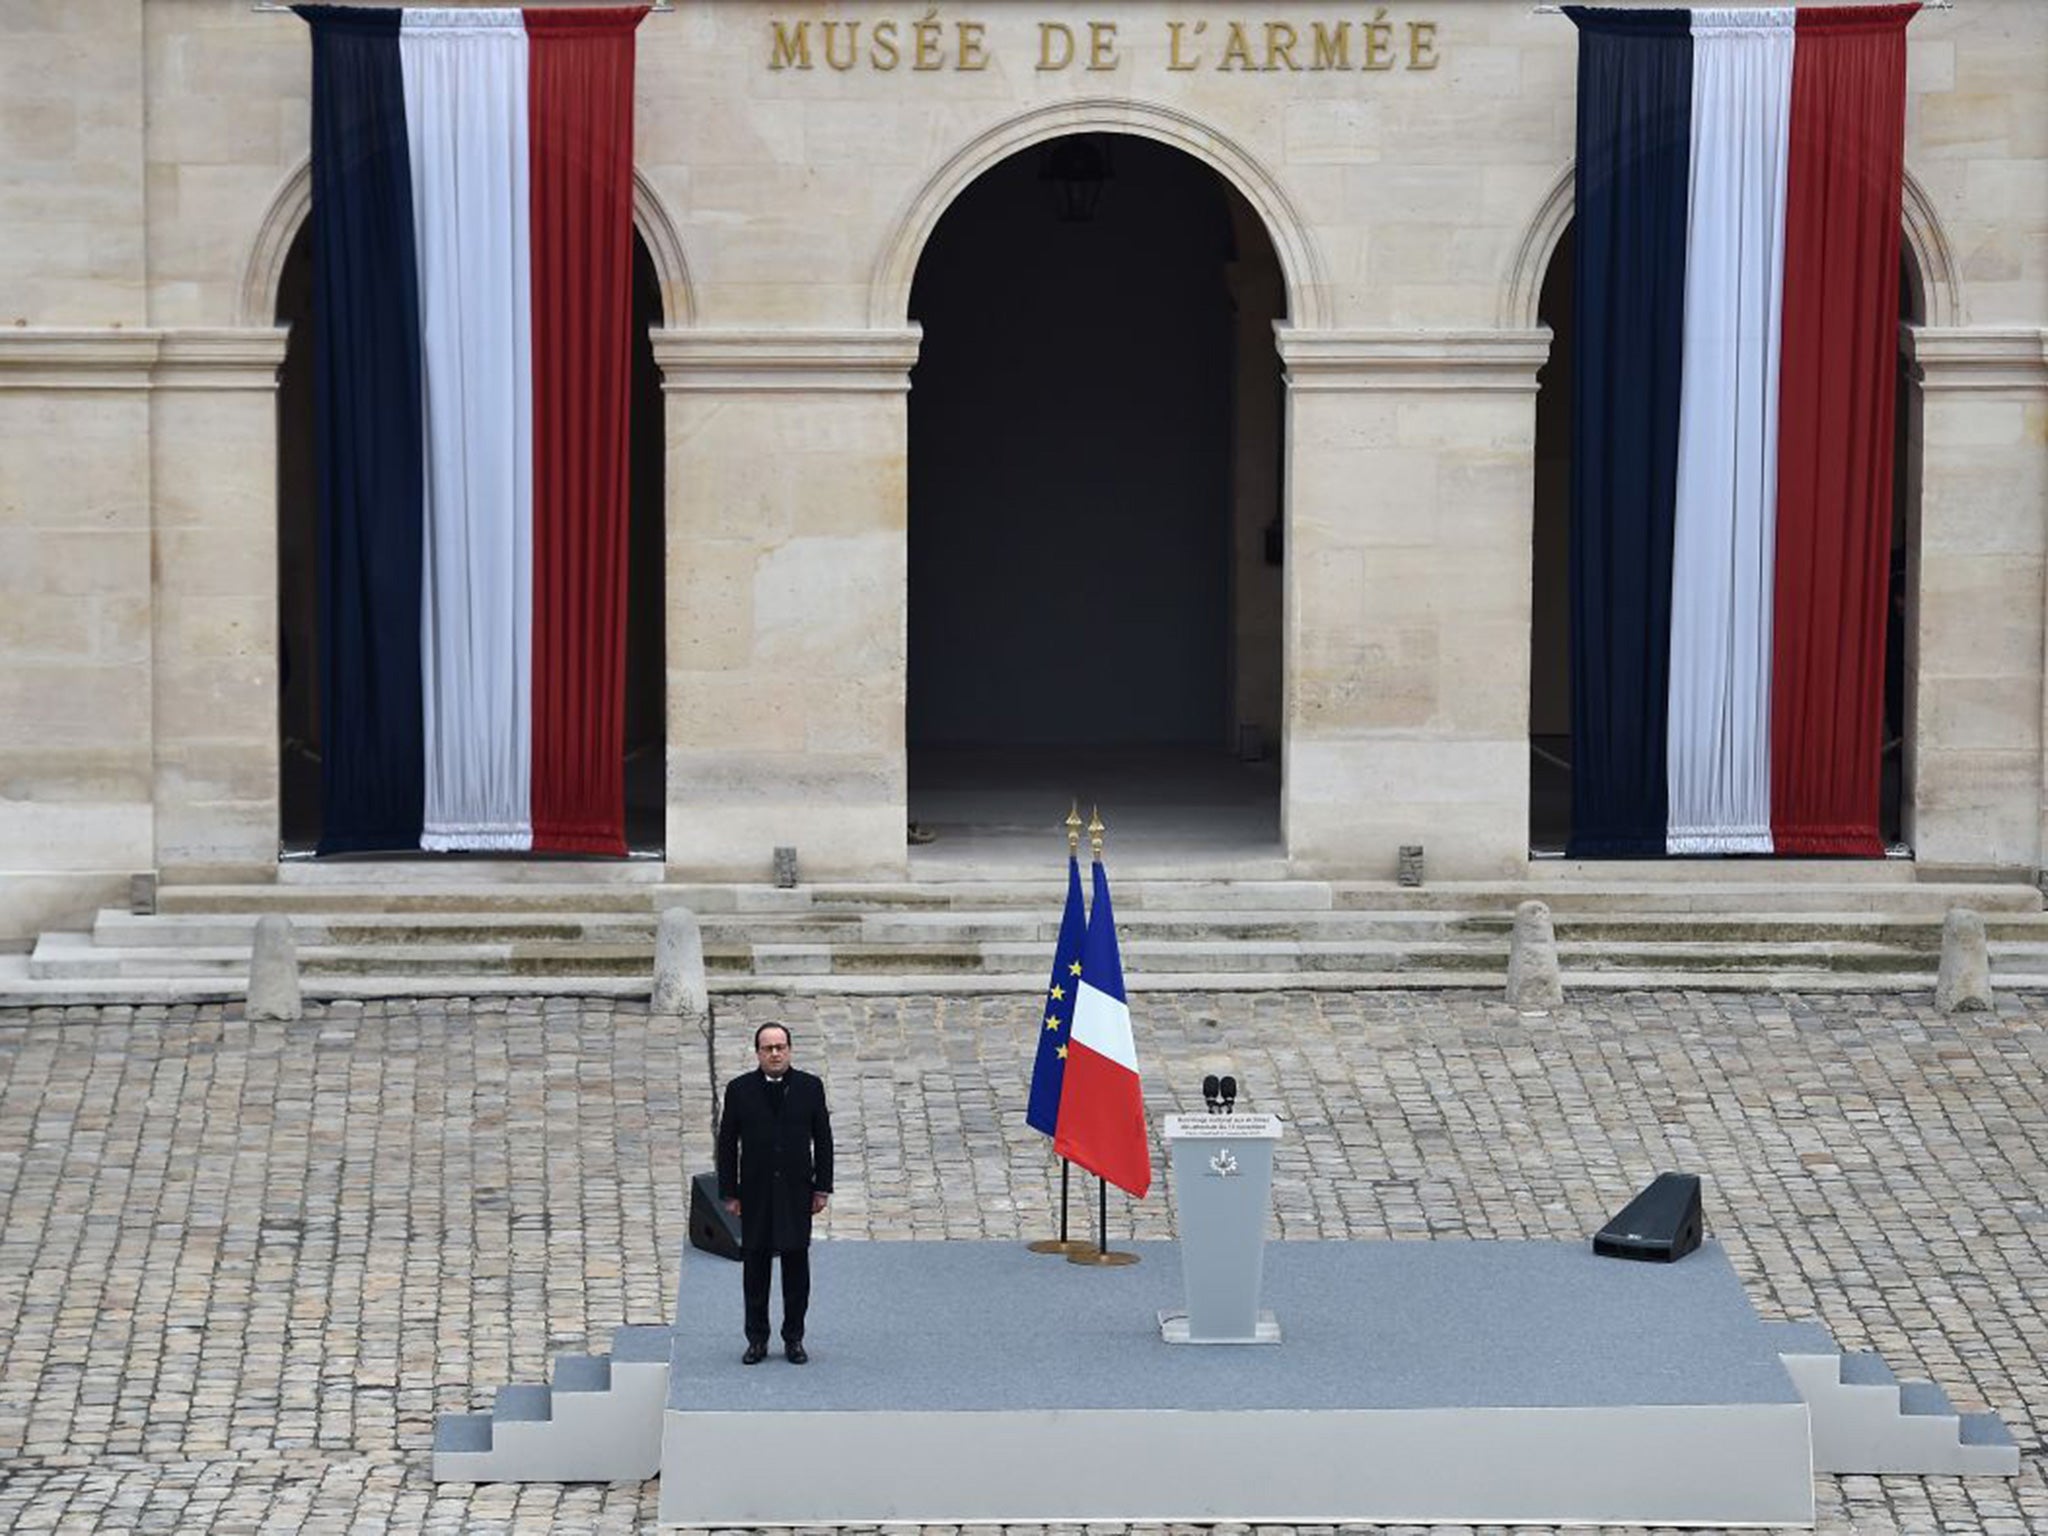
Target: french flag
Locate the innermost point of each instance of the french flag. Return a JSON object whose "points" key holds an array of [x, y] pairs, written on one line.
{"points": [[1738, 191], [1102, 1101], [472, 235]]}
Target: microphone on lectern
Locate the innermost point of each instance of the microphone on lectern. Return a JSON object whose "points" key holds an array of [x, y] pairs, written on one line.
{"points": [[1227, 1088], [1210, 1089]]}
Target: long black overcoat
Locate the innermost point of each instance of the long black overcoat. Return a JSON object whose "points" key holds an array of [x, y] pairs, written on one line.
{"points": [[772, 1163]]}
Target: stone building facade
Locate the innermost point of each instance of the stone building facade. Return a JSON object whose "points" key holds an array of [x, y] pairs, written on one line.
{"points": [[1398, 181]]}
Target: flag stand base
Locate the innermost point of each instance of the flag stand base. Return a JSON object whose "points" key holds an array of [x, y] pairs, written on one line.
{"points": [[1105, 1257], [1068, 1246]]}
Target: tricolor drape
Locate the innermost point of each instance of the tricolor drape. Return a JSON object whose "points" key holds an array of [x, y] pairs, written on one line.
{"points": [[472, 234], [1738, 187]]}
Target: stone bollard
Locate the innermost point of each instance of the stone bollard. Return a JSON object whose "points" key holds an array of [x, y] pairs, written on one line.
{"points": [[679, 986], [1533, 981], [1408, 865], [274, 971], [1964, 985]]}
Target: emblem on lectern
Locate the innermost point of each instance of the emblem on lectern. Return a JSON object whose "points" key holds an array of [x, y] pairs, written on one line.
{"points": [[1223, 1164]]}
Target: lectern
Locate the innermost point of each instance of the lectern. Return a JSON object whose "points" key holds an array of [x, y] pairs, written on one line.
{"points": [[1222, 1186]]}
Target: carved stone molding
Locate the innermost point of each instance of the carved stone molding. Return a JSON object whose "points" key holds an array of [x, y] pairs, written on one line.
{"points": [[1413, 360], [108, 359], [76, 358], [219, 359], [786, 361], [2013, 358]]}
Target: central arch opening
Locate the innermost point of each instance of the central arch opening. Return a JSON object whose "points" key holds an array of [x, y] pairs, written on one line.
{"points": [[1095, 535]]}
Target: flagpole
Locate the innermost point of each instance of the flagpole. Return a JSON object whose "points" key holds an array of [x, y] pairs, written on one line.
{"points": [[1064, 1244], [1101, 1255]]}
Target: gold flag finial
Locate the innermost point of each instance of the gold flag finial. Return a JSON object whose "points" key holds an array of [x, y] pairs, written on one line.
{"points": [[1095, 832], [1074, 830]]}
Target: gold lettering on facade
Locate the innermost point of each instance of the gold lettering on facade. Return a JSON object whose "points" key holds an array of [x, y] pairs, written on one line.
{"points": [[1422, 45], [792, 49], [1333, 45], [1047, 31], [1101, 45], [1280, 45], [885, 55], [1315, 46], [1236, 48], [832, 44], [1379, 42], [972, 54]]}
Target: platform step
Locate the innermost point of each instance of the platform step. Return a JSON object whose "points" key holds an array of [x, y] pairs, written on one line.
{"points": [[523, 1405], [464, 1434], [642, 1344], [1987, 1430], [1866, 1370], [1924, 1399], [582, 1373]]}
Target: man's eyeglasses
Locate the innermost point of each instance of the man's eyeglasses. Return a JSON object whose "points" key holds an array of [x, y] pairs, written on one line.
{"points": [[771, 1047]]}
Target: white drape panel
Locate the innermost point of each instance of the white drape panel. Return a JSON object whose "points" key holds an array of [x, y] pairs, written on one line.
{"points": [[465, 114], [1724, 541]]}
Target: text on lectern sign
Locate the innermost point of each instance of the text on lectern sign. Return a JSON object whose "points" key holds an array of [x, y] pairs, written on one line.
{"points": [[1221, 1127]]}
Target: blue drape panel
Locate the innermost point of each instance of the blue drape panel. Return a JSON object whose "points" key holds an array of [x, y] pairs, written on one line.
{"points": [[1634, 128], [367, 423]]}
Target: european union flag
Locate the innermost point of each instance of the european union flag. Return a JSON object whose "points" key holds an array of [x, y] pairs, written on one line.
{"points": [[1050, 1069]]}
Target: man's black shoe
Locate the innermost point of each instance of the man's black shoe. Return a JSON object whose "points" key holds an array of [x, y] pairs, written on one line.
{"points": [[795, 1352], [755, 1354]]}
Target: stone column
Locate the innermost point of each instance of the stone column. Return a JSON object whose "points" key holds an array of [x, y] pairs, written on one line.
{"points": [[75, 657], [1410, 501], [787, 563], [213, 435], [1979, 790]]}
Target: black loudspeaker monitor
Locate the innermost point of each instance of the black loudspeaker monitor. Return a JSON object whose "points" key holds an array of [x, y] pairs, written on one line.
{"points": [[711, 1228], [1661, 1225]]}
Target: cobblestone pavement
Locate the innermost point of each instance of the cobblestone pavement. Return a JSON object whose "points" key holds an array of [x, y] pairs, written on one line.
{"points": [[242, 1266]]}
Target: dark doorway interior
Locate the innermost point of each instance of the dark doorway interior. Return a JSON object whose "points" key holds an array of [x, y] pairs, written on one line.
{"points": [[300, 727], [1550, 699], [1094, 541]]}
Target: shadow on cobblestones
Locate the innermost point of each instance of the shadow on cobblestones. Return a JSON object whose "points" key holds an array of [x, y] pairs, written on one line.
{"points": [[243, 1265]]}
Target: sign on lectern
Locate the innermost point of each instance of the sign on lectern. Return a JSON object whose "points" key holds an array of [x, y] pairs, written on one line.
{"points": [[1222, 1187]]}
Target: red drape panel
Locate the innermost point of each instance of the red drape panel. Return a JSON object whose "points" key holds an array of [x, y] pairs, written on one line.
{"points": [[1836, 386], [580, 109]]}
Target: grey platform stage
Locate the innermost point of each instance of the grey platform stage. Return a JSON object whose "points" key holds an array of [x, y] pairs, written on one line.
{"points": [[1470, 1382]]}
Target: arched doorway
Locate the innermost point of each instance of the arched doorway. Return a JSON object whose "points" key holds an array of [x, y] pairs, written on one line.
{"points": [[300, 728], [1096, 427], [1550, 700]]}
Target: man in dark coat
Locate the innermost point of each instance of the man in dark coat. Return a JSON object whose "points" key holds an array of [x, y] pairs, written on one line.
{"points": [[774, 1173]]}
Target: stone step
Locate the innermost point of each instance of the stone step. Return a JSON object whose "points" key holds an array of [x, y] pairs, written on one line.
{"points": [[117, 929], [59, 956], [17, 990], [1883, 887], [227, 937]]}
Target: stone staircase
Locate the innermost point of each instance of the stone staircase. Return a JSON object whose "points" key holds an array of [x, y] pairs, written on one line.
{"points": [[371, 931]]}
